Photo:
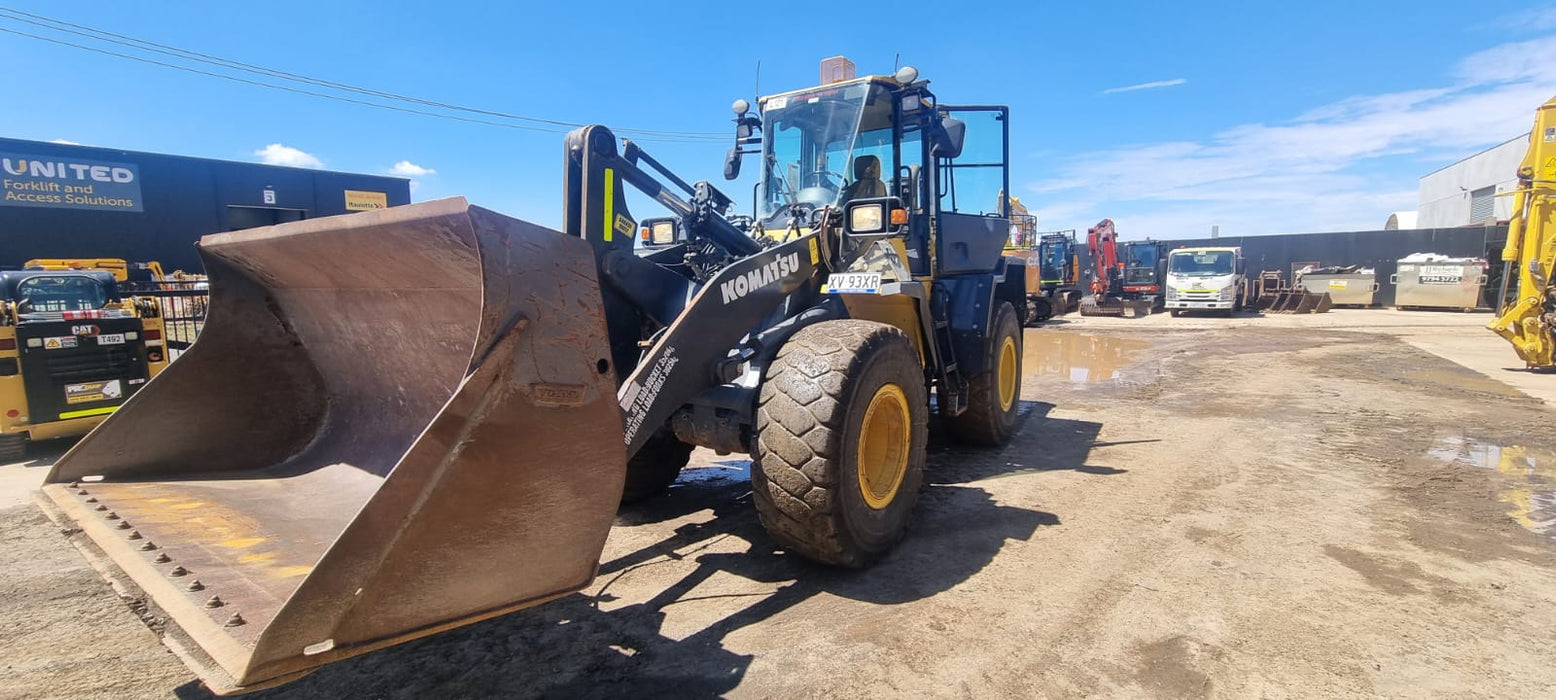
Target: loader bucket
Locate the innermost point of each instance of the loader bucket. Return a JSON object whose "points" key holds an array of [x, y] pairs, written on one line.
{"points": [[394, 423]]}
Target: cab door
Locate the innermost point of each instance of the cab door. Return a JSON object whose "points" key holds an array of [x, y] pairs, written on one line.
{"points": [[972, 192]]}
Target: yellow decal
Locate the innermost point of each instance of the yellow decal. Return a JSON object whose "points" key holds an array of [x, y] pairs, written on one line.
{"points": [[1550, 168], [1338, 284], [815, 253], [87, 412], [610, 204], [624, 225], [358, 200]]}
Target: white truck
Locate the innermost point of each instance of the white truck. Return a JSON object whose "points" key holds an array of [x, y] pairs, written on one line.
{"points": [[1210, 278]]}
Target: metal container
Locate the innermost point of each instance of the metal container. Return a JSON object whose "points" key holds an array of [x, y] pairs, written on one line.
{"points": [[1347, 289], [1439, 285]]}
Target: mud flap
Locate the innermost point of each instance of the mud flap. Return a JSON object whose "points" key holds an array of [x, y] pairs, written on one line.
{"points": [[394, 423]]}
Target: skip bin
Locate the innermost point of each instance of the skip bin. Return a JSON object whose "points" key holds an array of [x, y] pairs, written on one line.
{"points": [[1344, 289], [1439, 285]]}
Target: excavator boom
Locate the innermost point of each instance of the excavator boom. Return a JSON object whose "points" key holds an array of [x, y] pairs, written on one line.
{"points": [[1528, 321]]}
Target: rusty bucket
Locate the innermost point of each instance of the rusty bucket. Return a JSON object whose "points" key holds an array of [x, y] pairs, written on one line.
{"points": [[394, 423]]}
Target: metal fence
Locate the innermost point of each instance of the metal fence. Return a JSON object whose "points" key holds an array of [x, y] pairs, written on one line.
{"points": [[182, 305]]}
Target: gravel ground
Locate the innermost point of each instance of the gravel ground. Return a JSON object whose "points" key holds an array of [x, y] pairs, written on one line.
{"points": [[1192, 508]]}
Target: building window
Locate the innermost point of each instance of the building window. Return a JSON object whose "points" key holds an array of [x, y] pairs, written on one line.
{"points": [[1482, 205]]}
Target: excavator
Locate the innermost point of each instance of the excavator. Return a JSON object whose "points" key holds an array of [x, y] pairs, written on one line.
{"points": [[1528, 321], [401, 421]]}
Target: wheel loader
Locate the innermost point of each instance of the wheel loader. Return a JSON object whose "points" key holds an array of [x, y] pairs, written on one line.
{"points": [[1528, 321], [402, 421]]}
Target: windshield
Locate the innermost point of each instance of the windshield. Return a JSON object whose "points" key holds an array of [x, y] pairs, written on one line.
{"points": [[1054, 260], [1208, 263], [60, 294], [825, 147], [1140, 264]]}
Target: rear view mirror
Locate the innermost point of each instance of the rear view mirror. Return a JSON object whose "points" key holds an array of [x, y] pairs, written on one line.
{"points": [[949, 138], [732, 163]]}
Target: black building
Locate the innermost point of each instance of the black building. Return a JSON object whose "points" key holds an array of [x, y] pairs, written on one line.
{"points": [[66, 201]]}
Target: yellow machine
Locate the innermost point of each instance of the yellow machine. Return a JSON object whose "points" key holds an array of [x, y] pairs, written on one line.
{"points": [[401, 421], [73, 348], [1529, 320]]}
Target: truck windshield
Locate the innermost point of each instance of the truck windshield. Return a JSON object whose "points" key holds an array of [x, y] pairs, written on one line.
{"points": [[63, 293], [1207, 263], [825, 147]]}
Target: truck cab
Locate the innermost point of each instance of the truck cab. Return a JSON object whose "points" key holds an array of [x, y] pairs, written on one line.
{"points": [[1207, 278], [71, 351]]}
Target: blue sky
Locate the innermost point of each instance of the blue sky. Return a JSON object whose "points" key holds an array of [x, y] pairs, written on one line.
{"points": [[1305, 116]]}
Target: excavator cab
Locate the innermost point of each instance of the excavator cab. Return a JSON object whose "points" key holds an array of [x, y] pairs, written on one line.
{"points": [[401, 421]]}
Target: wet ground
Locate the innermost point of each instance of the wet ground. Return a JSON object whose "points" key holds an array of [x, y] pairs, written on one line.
{"points": [[1354, 504]]}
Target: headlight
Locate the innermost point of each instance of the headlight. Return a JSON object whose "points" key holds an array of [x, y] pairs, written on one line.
{"points": [[663, 232], [1228, 293], [1172, 294], [34, 342], [867, 218]]}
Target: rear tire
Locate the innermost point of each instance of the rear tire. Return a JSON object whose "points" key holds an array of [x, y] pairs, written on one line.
{"points": [[990, 418], [651, 471], [1176, 313], [842, 425], [13, 448]]}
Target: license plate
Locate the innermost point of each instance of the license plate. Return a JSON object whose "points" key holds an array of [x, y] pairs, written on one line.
{"points": [[854, 283], [110, 339]]}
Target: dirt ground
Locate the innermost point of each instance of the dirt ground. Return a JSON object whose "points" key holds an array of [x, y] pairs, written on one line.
{"points": [[1270, 507]]}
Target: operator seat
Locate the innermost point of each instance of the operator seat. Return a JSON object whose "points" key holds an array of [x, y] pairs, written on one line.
{"points": [[867, 180]]}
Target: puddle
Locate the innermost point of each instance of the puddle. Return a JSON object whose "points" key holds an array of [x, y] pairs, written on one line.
{"points": [[1078, 357], [1528, 475]]}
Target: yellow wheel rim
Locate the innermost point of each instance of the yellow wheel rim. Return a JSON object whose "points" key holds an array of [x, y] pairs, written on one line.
{"points": [[1007, 373], [884, 441]]}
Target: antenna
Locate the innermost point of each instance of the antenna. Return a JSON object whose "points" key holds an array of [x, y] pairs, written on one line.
{"points": [[896, 61], [758, 78]]}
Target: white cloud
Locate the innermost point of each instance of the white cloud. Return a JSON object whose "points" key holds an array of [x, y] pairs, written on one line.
{"points": [[406, 168], [64, 142], [277, 154], [1344, 165], [1147, 86]]}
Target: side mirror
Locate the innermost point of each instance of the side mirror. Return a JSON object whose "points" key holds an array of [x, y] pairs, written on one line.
{"points": [[949, 138], [732, 163]]}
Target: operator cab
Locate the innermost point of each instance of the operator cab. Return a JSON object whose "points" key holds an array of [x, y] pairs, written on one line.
{"points": [[34, 291], [883, 141]]}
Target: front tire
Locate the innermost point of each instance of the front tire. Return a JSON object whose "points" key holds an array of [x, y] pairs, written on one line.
{"points": [[651, 471], [842, 424], [990, 418], [13, 448]]}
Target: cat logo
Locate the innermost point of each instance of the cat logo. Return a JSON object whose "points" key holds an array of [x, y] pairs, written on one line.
{"points": [[87, 330]]}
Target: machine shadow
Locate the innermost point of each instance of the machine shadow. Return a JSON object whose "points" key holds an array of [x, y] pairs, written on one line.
{"points": [[586, 645]]}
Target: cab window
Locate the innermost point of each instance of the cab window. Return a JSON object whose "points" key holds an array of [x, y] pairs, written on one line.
{"points": [[60, 294]]}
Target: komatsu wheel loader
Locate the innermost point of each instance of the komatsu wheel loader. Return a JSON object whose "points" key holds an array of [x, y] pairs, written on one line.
{"points": [[1528, 321], [402, 421]]}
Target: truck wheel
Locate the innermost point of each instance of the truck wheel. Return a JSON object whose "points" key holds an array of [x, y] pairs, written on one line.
{"points": [[13, 448], [990, 417], [842, 424], [651, 471], [1177, 312]]}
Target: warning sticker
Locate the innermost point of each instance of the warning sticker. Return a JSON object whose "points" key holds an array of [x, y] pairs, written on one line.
{"points": [[624, 225], [59, 342], [87, 392], [1339, 284]]}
